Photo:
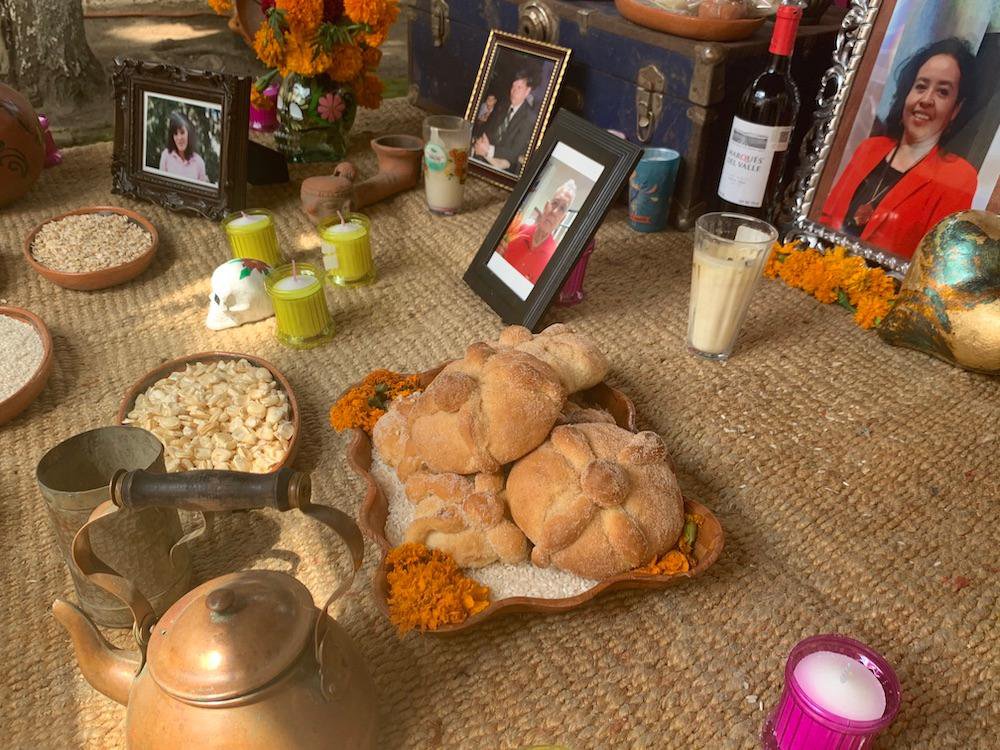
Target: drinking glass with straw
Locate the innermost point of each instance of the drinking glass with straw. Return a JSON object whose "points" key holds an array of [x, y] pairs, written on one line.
{"points": [[251, 235], [347, 249], [302, 317]]}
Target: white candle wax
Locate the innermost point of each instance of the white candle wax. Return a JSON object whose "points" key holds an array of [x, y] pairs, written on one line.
{"points": [[842, 685], [292, 283], [247, 220], [344, 227]]}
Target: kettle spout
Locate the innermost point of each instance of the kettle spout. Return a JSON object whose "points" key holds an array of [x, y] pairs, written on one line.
{"points": [[110, 670]]}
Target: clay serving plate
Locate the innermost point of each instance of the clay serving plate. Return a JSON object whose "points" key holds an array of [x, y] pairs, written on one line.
{"points": [[104, 277], [648, 13], [161, 371], [375, 508], [21, 399]]}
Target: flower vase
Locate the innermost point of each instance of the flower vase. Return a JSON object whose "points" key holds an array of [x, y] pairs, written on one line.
{"points": [[315, 115]]}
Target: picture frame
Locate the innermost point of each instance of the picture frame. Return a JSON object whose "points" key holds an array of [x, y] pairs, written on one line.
{"points": [[859, 98], [511, 102], [181, 137], [565, 191]]}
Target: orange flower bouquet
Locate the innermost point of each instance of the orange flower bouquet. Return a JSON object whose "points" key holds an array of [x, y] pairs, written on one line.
{"points": [[327, 52]]}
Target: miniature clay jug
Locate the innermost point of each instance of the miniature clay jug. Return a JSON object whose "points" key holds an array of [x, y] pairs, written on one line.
{"points": [[22, 147], [949, 304], [245, 660], [398, 170]]}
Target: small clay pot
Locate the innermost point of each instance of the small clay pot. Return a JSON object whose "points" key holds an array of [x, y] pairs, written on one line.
{"points": [[22, 147]]}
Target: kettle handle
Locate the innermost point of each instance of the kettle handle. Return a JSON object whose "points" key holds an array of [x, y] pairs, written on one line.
{"points": [[209, 490]]}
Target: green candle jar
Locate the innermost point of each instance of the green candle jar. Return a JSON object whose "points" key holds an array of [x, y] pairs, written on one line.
{"points": [[251, 235], [347, 250], [302, 319]]}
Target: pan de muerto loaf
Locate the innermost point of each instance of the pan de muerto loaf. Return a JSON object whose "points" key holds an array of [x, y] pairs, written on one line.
{"points": [[465, 517], [575, 358], [483, 411], [596, 499]]}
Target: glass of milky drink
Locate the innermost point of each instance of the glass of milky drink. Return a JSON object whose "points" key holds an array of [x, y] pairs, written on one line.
{"points": [[730, 251], [446, 162]]}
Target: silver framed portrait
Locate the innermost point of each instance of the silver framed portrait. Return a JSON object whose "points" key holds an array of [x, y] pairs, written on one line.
{"points": [[906, 128]]}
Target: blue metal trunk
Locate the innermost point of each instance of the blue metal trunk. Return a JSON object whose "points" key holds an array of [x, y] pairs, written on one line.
{"points": [[657, 89]]}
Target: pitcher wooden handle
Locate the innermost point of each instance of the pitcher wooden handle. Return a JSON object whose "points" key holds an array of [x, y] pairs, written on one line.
{"points": [[211, 490]]}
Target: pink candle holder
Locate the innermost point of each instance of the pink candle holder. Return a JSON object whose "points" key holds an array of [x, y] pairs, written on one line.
{"points": [[572, 289], [799, 723], [265, 120]]}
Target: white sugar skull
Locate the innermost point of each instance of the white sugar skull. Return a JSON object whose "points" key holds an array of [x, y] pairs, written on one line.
{"points": [[238, 294]]}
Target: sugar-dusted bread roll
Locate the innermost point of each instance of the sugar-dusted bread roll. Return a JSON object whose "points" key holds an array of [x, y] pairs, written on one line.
{"points": [[596, 499], [575, 358], [483, 411], [466, 517], [574, 413]]}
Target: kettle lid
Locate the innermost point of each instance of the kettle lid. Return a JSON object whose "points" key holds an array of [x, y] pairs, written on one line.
{"points": [[231, 635]]}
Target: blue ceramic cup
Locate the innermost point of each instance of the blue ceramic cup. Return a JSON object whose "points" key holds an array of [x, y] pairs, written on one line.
{"points": [[650, 188]]}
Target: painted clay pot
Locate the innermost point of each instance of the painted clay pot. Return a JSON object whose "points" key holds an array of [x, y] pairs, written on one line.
{"points": [[949, 305], [22, 148]]}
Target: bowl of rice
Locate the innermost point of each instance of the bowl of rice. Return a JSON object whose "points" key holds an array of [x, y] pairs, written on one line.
{"points": [[25, 360], [92, 248]]}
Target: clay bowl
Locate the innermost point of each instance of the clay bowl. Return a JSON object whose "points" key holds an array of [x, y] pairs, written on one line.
{"points": [[21, 399], [104, 277], [648, 13], [374, 512], [162, 370]]}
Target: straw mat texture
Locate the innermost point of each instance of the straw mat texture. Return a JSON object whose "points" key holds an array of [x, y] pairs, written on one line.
{"points": [[857, 485]]}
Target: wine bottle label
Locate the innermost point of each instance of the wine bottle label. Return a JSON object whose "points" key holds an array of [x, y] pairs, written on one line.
{"points": [[749, 157]]}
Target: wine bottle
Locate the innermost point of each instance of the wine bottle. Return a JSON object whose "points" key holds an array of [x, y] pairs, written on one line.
{"points": [[762, 128]]}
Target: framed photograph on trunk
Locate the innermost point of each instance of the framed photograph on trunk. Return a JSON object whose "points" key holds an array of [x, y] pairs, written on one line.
{"points": [[181, 137], [562, 197], [906, 127], [514, 94]]}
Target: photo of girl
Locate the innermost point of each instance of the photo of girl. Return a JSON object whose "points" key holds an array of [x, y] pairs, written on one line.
{"points": [[923, 141], [179, 157], [183, 139]]}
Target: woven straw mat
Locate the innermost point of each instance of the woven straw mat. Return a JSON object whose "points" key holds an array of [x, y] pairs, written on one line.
{"points": [[857, 485]]}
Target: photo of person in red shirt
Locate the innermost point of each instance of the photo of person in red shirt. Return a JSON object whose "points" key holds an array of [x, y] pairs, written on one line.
{"points": [[897, 186], [530, 245]]}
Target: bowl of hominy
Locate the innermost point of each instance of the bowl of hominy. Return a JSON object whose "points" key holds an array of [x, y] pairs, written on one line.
{"points": [[92, 248], [217, 410], [25, 360]]}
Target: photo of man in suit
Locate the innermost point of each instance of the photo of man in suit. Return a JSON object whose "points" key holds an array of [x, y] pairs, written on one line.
{"points": [[507, 133]]}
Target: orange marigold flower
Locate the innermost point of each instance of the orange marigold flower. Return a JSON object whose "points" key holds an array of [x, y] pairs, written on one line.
{"points": [[870, 310], [773, 263], [368, 91], [371, 56], [259, 100], [375, 13], [345, 62], [267, 47], [222, 7], [304, 16], [301, 55]]}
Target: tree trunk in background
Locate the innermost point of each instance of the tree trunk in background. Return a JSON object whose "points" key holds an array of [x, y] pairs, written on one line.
{"points": [[48, 58]]}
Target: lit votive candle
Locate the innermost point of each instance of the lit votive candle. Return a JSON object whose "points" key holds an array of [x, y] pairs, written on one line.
{"points": [[838, 694], [302, 319], [347, 250], [251, 235]]}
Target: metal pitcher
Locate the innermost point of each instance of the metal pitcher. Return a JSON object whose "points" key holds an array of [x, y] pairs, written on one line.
{"points": [[148, 546]]}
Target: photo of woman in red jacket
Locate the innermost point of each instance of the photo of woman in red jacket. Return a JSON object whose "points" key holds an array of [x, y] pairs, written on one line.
{"points": [[899, 184]]}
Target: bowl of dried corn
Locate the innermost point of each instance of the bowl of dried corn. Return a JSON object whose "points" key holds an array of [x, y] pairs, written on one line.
{"points": [[217, 410], [92, 248]]}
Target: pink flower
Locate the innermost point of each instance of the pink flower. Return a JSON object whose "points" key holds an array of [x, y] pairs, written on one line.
{"points": [[331, 107]]}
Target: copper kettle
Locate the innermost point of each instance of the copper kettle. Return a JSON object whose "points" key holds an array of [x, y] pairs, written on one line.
{"points": [[243, 661]]}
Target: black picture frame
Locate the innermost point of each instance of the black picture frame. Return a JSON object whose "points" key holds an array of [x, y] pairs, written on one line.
{"points": [[132, 80], [616, 156], [537, 54]]}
